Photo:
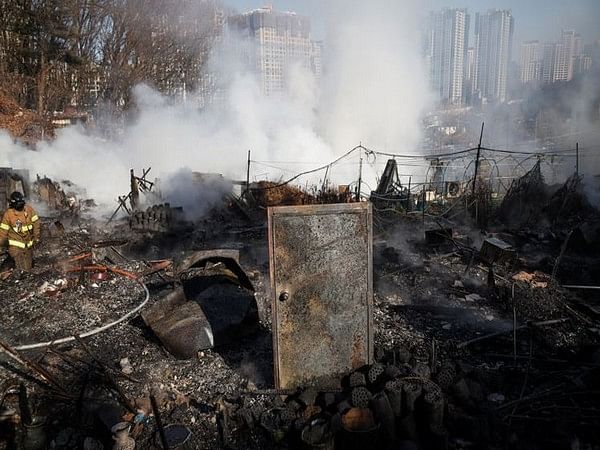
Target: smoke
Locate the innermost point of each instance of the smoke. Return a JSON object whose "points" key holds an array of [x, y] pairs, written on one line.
{"points": [[207, 193], [591, 188], [375, 89], [372, 91]]}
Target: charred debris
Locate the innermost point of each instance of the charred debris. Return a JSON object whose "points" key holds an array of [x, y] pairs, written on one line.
{"points": [[424, 317]]}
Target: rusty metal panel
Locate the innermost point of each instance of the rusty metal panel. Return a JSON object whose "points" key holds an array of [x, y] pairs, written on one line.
{"points": [[322, 292]]}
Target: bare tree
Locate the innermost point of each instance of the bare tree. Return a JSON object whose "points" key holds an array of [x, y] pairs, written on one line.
{"points": [[163, 43], [59, 52]]}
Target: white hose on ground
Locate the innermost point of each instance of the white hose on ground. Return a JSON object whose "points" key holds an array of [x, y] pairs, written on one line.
{"points": [[91, 332]]}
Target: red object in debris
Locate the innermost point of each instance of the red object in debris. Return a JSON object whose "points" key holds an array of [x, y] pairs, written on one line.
{"points": [[100, 276], [99, 268]]}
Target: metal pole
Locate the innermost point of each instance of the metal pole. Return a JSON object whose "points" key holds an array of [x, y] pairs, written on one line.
{"points": [[408, 201], [477, 159], [359, 181], [324, 181], [424, 200], [577, 158], [248, 173]]}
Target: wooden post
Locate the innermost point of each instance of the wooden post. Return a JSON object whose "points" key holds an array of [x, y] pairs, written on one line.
{"points": [[134, 198]]}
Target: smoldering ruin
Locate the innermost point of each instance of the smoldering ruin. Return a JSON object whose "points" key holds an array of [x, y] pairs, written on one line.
{"points": [[455, 313], [316, 256]]}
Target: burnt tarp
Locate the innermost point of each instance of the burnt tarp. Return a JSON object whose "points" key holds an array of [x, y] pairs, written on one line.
{"points": [[213, 305], [321, 282]]}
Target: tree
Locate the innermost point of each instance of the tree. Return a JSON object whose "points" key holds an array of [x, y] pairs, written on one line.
{"points": [[163, 43], [59, 52], [42, 34]]}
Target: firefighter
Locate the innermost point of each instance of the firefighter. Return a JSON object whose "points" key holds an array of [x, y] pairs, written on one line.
{"points": [[20, 226]]}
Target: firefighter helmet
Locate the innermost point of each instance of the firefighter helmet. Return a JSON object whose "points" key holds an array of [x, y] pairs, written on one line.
{"points": [[17, 201]]}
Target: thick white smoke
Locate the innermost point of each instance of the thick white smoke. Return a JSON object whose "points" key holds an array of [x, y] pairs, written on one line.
{"points": [[373, 91], [375, 87]]}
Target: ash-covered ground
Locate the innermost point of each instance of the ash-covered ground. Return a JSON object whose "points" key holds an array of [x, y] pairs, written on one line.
{"points": [[531, 381]]}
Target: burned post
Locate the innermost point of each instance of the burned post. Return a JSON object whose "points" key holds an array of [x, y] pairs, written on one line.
{"points": [[134, 196]]}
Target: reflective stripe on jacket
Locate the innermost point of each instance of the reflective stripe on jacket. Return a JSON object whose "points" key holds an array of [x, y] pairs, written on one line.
{"points": [[20, 244]]}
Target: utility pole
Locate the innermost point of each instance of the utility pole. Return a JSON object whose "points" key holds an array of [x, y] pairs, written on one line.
{"points": [[424, 200], [477, 159], [359, 181], [577, 158], [324, 186], [248, 174], [408, 200]]}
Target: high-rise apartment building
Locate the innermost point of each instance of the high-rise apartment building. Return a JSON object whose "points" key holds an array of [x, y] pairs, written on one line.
{"points": [[275, 41], [493, 44], [572, 49], [582, 64], [469, 75], [446, 51], [563, 59], [551, 58], [530, 62], [592, 51], [470, 64]]}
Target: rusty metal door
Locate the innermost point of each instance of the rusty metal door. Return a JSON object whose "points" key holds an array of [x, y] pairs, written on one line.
{"points": [[321, 282]]}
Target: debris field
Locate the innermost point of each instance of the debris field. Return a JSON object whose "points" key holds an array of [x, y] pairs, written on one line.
{"points": [[130, 333]]}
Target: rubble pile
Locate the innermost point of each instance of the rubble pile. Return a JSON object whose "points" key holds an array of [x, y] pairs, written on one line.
{"points": [[382, 406], [159, 218], [268, 193], [64, 304], [476, 343], [64, 197]]}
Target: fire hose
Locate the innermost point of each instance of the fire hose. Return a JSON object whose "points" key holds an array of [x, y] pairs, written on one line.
{"points": [[97, 330]]}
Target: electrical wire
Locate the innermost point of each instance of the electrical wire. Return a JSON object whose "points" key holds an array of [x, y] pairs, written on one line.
{"points": [[349, 152], [452, 156]]}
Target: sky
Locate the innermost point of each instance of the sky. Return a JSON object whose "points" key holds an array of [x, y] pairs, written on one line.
{"points": [[534, 19]]}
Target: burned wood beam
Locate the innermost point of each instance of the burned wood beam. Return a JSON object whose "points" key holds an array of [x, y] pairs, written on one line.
{"points": [[159, 424], [33, 366], [134, 195], [593, 288]]}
